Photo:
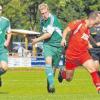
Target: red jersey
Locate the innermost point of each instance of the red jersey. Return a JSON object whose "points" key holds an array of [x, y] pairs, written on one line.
{"points": [[78, 40]]}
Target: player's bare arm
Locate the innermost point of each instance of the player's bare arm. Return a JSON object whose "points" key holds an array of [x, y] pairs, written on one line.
{"points": [[94, 42], [90, 45], [65, 32], [43, 37], [6, 44], [98, 43]]}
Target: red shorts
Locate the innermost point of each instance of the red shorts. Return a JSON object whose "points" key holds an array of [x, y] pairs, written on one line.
{"points": [[71, 64]]}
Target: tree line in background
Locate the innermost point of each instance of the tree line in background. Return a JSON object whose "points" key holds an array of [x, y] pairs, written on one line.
{"points": [[23, 14]]}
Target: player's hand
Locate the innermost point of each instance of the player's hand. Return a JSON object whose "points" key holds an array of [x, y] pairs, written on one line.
{"points": [[63, 42], [34, 41], [90, 46], [98, 43], [6, 44]]}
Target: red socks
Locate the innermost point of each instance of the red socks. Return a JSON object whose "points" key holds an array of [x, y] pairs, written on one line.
{"points": [[63, 74], [94, 75], [96, 79]]}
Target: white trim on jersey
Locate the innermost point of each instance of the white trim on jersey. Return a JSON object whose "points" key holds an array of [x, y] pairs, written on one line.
{"points": [[52, 19], [59, 31], [77, 29], [4, 18], [50, 29], [54, 28]]}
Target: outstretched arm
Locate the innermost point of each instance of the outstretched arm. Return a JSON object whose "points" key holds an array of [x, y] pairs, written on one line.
{"points": [[43, 37], [6, 44], [98, 43], [92, 42], [65, 32]]}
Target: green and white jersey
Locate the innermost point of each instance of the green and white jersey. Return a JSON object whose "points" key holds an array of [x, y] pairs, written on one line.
{"points": [[54, 27], [4, 29]]}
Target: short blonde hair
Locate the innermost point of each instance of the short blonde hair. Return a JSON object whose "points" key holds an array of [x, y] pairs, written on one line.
{"points": [[43, 6]]}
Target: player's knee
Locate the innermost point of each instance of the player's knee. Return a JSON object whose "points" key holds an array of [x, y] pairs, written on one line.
{"points": [[69, 75], [91, 68], [5, 67], [97, 65], [97, 68]]}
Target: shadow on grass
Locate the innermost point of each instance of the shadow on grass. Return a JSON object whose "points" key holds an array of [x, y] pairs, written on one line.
{"points": [[4, 92]]}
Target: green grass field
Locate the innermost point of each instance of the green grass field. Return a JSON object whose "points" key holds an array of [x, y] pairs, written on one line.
{"points": [[30, 84]]}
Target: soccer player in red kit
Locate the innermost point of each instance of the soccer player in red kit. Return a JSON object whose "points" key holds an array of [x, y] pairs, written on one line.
{"points": [[77, 51]]}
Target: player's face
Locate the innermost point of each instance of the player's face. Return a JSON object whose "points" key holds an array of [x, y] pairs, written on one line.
{"points": [[97, 21], [99, 17], [44, 13], [94, 22], [0, 10]]}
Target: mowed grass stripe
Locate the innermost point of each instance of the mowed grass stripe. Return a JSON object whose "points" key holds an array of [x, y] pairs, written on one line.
{"points": [[31, 85]]}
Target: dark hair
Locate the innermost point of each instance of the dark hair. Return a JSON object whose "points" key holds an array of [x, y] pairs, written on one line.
{"points": [[94, 14]]}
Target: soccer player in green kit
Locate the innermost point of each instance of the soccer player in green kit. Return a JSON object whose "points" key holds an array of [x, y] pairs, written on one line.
{"points": [[52, 36], [5, 36]]}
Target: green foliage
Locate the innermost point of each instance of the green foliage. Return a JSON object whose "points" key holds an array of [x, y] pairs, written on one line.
{"points": [[24, 13]]}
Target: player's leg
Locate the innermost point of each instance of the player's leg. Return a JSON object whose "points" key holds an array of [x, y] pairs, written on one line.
{"points": [[61, 75], [56, 60], [55, 67], [3, 65], [48, 68], [50, 75], [97, 62], [97, 65], [54, 70], [56, 56], [68, 73], [95, 55], [90, 66]]}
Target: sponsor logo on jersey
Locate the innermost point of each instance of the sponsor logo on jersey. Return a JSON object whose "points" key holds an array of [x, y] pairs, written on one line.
{"points": [[85, 36]]}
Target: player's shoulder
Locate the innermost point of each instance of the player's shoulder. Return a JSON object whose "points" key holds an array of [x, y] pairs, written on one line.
{"points": [[53, 17], [4, 18], [76, 21]]}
